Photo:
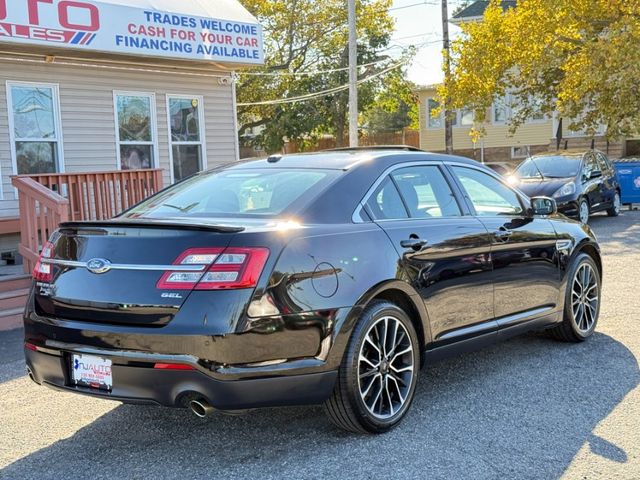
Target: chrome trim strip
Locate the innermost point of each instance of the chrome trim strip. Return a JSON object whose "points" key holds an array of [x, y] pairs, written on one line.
{"points": [[483, 327], [54, 347], [126, 266], [355, 217], [511, 320]]}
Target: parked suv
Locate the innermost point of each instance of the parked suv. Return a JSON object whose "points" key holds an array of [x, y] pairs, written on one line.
{"points": [[322, 278], [581, 182]]}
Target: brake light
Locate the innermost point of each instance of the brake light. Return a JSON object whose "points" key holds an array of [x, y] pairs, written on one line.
{"points": [[230, 268], [43, 272]]}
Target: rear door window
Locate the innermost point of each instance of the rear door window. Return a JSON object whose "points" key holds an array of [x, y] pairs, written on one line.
{"points": [[605, 164], [385, 202], [426, 192]]}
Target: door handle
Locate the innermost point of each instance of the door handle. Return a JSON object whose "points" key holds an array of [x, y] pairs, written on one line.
{"points": [[503, 234], [414, 243]]}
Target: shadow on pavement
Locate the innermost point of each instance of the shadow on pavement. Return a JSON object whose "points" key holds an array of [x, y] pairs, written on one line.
{"points": [[521, 409], [11, 345]]}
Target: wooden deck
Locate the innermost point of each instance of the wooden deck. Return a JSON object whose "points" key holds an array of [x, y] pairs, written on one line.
{"points": [[47, 200]]}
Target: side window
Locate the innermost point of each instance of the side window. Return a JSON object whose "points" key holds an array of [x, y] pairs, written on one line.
{"points": [[605, 164], [488, 195], [426, 192], [385, 202], [590, 164]]}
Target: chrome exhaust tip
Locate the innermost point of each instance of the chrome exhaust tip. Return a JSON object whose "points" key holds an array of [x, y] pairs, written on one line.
{"points": [[201, 407]]}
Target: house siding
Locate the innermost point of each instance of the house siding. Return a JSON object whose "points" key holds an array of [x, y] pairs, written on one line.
{"points": [[88, 119], [531, 134], [497, 141]]}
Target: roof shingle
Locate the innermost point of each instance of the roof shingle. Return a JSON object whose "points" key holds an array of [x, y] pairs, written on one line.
{"points": [[476, 9]]}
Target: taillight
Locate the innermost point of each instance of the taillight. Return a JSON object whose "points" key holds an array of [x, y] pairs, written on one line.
{"points": [[230, 268], [43, 272]]}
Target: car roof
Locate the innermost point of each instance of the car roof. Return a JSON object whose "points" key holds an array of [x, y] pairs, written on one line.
{"points": [[349, 159], [564, 153]]}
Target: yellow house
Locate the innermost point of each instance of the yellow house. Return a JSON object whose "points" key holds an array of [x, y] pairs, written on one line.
{"points": [[538, 134], [497, 144]]}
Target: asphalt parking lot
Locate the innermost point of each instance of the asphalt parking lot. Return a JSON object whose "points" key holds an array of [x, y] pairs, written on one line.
{"points": [[527, 408]]}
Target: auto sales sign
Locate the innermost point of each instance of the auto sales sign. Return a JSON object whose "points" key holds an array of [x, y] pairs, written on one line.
{"points": [[114, 28]]}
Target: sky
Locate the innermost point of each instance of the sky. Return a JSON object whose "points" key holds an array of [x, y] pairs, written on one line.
{"points": [[419, 23]]}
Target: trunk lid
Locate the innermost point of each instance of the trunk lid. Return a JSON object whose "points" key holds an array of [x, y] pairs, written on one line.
{"points": [[108, 272]]}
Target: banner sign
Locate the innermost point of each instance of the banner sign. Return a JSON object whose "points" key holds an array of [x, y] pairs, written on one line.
{"points": [[104, 27]]}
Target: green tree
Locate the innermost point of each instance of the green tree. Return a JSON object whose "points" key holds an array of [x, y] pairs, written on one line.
{"points": [[395, 107], [580, 58], [306, 36]]}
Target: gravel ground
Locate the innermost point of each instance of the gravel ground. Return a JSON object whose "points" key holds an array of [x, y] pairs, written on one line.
{"points": [[527, 408]]}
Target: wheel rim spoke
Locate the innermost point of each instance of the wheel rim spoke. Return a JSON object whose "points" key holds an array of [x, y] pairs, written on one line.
{"points": [[386, 368], [585, 298]]}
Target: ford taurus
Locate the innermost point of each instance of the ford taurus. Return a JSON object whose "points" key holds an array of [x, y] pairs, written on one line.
{"points": [[305, 279]]}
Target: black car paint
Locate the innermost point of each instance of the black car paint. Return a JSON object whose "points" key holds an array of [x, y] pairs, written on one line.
{"points": [[320, 275], [599, 191]]}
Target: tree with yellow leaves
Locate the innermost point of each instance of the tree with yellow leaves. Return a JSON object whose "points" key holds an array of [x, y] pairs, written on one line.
{"points": [[580, 58]]}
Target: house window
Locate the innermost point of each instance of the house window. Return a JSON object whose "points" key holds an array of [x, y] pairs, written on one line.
{"points": [[34, 126], [500, 110], [186, 135], [520, 152], [135, 130], [466, 118], [431, 121]]}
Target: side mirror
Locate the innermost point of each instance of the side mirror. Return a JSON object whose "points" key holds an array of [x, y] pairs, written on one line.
{"points": [[544, 206], [595, 174]]}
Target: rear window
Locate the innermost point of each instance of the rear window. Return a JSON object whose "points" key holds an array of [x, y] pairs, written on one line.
{"points": [[233, 193]]}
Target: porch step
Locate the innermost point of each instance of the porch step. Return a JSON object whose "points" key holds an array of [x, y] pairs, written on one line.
{"points": [[14, 290], [14, 282], [13, 299], [11, 318]]}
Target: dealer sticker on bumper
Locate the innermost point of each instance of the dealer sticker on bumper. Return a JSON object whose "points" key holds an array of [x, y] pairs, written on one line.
{"points": [[91, 371]]}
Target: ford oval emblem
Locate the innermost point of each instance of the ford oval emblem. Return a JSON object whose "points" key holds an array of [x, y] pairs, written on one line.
{"points": [[98, 265]]}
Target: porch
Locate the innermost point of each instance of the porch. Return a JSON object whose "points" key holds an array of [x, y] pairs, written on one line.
{"points": [[46, 200]]}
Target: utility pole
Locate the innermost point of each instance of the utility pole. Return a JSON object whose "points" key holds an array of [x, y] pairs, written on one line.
{"points": [[353, 75], [448, 121]]}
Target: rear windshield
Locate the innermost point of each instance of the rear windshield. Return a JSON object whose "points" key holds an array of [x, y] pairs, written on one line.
{"points": [[233, 193], [560, 166]]}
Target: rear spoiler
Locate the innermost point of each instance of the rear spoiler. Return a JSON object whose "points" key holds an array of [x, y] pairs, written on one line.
{"points": [[154, 223]]}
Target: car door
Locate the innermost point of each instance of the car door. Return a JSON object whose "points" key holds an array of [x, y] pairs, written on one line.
{"points": [[526, 275], [443, 253], [592, 184], [608, 181]]}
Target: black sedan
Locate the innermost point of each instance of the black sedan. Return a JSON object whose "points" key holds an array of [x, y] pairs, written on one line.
{"points": [[581, 182], [304, 279]]}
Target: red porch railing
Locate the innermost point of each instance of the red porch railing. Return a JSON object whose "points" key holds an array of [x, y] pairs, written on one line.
{"points": [[102, 195], [46, 200]]}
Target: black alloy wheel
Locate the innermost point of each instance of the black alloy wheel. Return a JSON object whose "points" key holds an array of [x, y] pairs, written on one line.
{"points": [[582, 301], [377, 379]]}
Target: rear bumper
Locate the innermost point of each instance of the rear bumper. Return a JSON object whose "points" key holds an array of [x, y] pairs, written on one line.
{"points": [[136, 381]]}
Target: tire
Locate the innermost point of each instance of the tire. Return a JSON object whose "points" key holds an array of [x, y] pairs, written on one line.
{"points": [[579, 323], [614, 211], [583, 211], [363, 404]]}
